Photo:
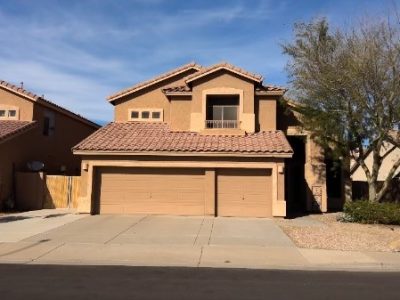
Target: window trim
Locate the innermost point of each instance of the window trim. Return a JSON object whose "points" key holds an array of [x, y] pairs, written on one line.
{"points": [[7, 110], [150, 111]]}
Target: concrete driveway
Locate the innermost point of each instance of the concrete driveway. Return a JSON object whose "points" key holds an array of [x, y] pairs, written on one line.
{"points": [[168, 230], [142, 240], [19, 226]]}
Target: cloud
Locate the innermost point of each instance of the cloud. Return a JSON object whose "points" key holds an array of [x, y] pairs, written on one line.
{"points": [[78, 52]]}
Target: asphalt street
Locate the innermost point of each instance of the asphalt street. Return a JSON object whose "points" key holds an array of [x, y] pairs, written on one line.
{"points": [[114, 282]]}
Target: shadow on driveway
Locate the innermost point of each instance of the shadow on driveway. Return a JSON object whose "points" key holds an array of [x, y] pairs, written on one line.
{"points": [[8, 219]]}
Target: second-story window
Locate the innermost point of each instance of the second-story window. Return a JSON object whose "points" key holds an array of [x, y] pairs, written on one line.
{"points": [[146, 115], [12, 113], [222, 111], [9, 113], [134, 115]]}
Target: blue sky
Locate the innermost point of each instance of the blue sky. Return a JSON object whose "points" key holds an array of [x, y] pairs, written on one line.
{"points": [[78, 52]]}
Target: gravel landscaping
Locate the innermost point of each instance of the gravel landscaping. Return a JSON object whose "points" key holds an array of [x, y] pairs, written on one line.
{"points": [[325, 232]]}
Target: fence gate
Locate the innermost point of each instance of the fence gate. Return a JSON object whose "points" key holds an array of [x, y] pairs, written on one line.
{"points": [[61, 191]]}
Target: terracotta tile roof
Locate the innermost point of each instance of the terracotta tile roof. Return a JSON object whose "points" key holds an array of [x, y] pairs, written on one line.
{"points": [[270, 88], [186, 89], [9, 129], [177, 89], [39, 99], [154, 80], [223, 65], [158, 137], [18, 90]]}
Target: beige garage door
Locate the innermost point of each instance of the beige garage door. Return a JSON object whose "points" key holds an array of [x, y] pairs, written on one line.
{"points": [[244, 193], [150, 191]]}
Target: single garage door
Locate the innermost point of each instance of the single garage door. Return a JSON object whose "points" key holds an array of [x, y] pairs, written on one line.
{"points": [[244, 193], [150, 191]]}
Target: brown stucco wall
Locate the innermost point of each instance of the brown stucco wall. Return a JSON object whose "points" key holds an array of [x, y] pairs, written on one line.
{"points": [[266, 112], [13, 152], [11, 99], [223, 79], [151, 97], [180, 112], [55, 150]]}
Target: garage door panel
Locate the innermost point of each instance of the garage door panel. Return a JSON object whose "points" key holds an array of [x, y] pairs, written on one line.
{"points": [[244, 193], [151, 191]]}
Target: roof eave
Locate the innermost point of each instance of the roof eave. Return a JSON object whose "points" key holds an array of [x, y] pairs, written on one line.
{"points": [[255, 79], [119, 95], [170, 153], [23, 130], [178, 93], [270, 93]]}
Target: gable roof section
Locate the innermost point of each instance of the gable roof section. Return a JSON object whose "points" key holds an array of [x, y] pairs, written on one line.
{"points": [[157, 139], [177, 90], [10, 129], [150, 82], [223, 66], [260, 90], [266, 89], [35, 98]]}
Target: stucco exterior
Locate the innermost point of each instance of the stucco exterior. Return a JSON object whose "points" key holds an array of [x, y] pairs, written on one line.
{"points": [[182, 98]]}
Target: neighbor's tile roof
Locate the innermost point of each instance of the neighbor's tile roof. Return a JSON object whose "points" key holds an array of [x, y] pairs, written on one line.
{"points": [[151, 81], [9, 129], [177, 89], [270, 88], [17, 89], [158, 137], [223, 65]]}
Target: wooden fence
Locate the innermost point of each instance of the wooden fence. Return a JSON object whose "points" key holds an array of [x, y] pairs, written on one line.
{"points": [[61, 191]]}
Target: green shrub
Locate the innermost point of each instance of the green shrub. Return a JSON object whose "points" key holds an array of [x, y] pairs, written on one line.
{"points": [[372, 213]]}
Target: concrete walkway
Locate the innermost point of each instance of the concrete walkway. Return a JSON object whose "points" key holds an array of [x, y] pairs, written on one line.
{"points": [[182, 241]]}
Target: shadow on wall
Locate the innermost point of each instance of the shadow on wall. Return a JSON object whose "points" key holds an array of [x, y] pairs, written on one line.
{"points": [[36, 190], [360, 190]]}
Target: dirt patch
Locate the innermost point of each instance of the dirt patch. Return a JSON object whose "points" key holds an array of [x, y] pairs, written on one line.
{"points": [[335, 235]]}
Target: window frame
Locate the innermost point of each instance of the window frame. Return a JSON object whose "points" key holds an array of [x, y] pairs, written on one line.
{"points": [[150, 111], [7, 110]]}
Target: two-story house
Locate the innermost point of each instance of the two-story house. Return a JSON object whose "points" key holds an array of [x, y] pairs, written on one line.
{"points": [[199, 141], [33, 129]]}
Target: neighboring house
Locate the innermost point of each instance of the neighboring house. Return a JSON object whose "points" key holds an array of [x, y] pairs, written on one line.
{"points": [[35, 129], [391, 154], [201, 141]]}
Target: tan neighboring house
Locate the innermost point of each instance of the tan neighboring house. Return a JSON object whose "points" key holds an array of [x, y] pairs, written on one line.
{"points": [[35, 129], [201, 141], [391, 154]]}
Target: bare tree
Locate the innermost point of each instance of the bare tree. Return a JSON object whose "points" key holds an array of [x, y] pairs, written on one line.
{"points": [[347, 83]]}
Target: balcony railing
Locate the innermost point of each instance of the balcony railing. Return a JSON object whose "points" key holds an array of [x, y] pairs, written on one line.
{"points": [[222, 124]]}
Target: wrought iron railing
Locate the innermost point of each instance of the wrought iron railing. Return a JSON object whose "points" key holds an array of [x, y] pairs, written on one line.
{"points": [[222, 124]]}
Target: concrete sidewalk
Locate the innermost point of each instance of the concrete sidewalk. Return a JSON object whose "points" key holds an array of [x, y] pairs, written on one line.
{"points": [[222, 256]]}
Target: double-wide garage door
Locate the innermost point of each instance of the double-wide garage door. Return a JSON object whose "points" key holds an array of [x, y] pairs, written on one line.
{"points": [[238, 192], [151, 191]]}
